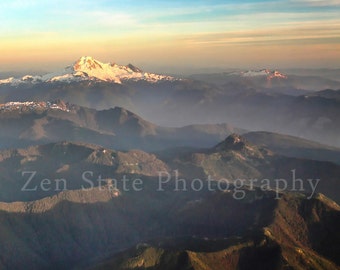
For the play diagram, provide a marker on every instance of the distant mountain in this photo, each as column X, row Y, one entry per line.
column 29, row 123
column 270, row 80
column 88, row 68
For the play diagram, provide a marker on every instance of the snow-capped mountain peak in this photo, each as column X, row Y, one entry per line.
column 255, row 73
column 277, row 74
column 88, row 68
column 87, row 63
column 264, row 72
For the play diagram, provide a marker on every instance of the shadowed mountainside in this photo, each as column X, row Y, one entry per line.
column 81, row 227
column 290, row 240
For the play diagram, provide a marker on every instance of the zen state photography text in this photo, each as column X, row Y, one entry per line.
column 166, row 181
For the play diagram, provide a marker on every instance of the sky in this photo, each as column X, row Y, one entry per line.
column 170, row 35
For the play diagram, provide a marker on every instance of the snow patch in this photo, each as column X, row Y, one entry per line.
column 264, row 72
column 32, row 106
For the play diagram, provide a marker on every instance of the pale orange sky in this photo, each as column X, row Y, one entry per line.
column 224, row 34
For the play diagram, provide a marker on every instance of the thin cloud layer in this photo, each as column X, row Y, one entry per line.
column 136, row 28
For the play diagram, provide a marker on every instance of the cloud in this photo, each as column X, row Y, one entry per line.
column 295, row 33
column 317, row 3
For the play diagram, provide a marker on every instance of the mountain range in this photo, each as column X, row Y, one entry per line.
column 290, row 109
column 105, row 226
column 97, row 220
column 104, row 166
column 29, row 123
column 267, row 80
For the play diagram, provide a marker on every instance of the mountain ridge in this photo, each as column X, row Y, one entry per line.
column 32, row 122
column 70, row 220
